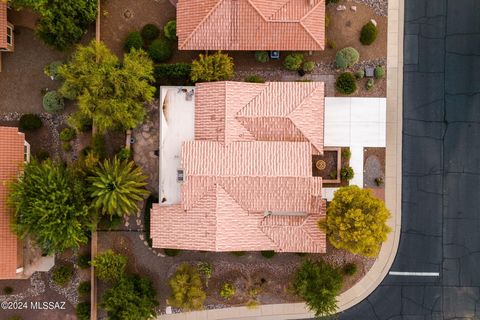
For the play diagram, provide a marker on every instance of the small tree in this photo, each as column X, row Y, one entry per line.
column 346, row 57
column 116, row 187
column 214, row 67
column 170, row 30
column 62, row 274
column 294, row 61
column 318, row 284
column 308, row 66
column 346, row 173
column 51, row 70
column 130, row 298
column 206, row 269
column 187, row 289
column 133, row 41
column 368, row 34
column 356, row 221
column 346, row 83
column 150, row 32
column 160, row 50
column 53, row 102
column 109, row 266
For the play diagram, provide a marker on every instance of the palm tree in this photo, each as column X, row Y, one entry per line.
column 116, row 187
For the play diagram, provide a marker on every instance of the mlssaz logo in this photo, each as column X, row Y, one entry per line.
column 39, row 305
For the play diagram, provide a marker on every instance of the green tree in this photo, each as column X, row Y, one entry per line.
column 346, row 57
column 294, row 61
column 131, row 298
column 116, row 187
column 50, row 205
column 109, row 266
column 318, row 284
column 170, row 30
column 110, row 93
column 214, row 67
column 187, row 289
column 356, row 221
column 62, row 23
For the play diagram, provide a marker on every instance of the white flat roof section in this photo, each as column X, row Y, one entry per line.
column 177, row 125
column 356, row 123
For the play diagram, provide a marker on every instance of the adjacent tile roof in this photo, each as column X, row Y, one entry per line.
column 11, row 160
column 3, row 25
column 251, row 25
column 248, row 173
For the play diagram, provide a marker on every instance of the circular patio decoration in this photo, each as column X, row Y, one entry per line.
column 321, row 165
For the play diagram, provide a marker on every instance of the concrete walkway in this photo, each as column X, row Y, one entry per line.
column 393, row 184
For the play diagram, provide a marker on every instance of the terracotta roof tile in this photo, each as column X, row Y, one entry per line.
column 251, row 25
column 11, row 160
column 3, row 25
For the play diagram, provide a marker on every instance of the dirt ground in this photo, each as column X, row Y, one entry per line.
column 374, row 167
column 269, row 277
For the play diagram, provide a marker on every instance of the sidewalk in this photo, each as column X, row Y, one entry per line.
column 393, row 188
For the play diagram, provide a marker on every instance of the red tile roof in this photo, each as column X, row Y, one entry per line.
column 3, row 25
column 249, row 187
column 11, row 160
column 251, row 25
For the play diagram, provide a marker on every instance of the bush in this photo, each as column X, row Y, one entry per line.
column 160, row 50
column 368, row 34
column 239, row 253
column 206, row 269
column 369, row 84
column 379, row 72
column 83, row 311
column 51, row 70
column 82, row 124
column 254, row 79
column 269, row 254
column 124, row 154
column 53, row 101
column 360, row 74
column 379, row 181
column 356, row 221
column 346, row 83
column 346, row 153
column 227, row 291
column 83, row 261
column 98, row 145
column 149, row 33
column 262, row 56
column 318, row 284
column 7, row 290
column 30, row 122
column 67, row 134
column 171, row 252
column 187, row 288
column 62, row 274
column 308, row 66
column 41, row 155
column 293, row 61
column 175, row 70
column 110, row 266
column 331, row 44
column 84, row 288
column 170, row 30
column 350, row 269
column 213, row 67
column 66, row 146
column 346, row 57
column 133, row 41
column 347, row 173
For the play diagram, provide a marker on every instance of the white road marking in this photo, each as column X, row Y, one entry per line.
column 414, row 274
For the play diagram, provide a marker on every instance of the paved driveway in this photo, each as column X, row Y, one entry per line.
column 441, row 169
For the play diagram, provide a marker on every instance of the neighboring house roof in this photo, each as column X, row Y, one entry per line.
column 3, row 25
column 251, row 25
column 244, row 190
column 11, row 160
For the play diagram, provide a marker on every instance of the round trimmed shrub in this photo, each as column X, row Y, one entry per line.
column 62, row 274
column 368, row 34
column 150, row 32
column 84, row 288
column 346, row 83
column 379, row 72
column 51, row 70
column 67, row 134
column 160, row 50
column 350, row 269
column 347, row 173
column 171, row 252
column 346, row 57
column 293, row 61
column 30, row 122
column 53, row 102
column 262, row 56
column 360, row 74
column 133, row 41
column 254, row 79
column 227, row 291
column 308, row 66
column 369, row 85
column 83, row 311
column 170, row 30
column 269, row 254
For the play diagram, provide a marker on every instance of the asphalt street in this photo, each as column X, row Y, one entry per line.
column 441, row 169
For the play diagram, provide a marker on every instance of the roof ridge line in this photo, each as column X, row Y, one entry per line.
column 258, row 10
column 201, row 22
column 307, row 30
